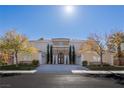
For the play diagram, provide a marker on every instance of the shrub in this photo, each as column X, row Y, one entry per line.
column 23, row 64
column 35, row 62
column 105, row 64
column 2, row 63
column 84, row 63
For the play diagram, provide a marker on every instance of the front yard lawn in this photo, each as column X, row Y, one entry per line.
column 19, row 67
column 98, row 67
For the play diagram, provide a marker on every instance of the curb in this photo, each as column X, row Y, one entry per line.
column 18, row 71
column 96, row 72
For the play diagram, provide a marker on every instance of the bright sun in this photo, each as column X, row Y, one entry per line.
column 69, row 9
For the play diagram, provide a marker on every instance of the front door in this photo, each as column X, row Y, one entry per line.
column 60, row 58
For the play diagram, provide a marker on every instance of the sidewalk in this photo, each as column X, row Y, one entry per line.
column 96, row 72
column 73, row 72
column 18, row 71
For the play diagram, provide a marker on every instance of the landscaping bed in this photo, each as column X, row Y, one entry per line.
column 98, row 67
column 19, row 67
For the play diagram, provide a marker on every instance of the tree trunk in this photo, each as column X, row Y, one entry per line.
column 101, row 58
column 119, row 54
column 16, row 58
column 13, row 57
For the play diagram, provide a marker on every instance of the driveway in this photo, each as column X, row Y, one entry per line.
column 59, row 69
column 57, row 81
column 57, row 76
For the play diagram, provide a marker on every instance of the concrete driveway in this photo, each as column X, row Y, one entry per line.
column 62, row 69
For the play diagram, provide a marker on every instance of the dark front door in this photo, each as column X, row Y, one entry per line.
column 60, row 58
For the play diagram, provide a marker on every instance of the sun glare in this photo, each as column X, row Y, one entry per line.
column 69, row 9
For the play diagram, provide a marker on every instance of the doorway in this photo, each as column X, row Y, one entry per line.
column 60, row 58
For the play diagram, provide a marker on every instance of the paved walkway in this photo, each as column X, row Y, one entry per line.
column 65, row 69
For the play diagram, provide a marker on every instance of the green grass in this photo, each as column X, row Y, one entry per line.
column 19, row 67
column 98, row 67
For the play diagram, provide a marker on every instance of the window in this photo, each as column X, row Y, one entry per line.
column 61, row 43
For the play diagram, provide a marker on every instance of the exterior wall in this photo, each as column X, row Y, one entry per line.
column 117, row 63
column 27, row 58
column 122, row 46
column 90, row 57
column 108, row 58
column 93, row 58
column 41, row 55
column 77, row 44
column 78, row 59
column 41, row 45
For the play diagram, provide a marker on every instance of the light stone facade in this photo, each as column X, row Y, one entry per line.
column 60, row 48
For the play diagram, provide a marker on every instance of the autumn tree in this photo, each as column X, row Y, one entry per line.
column 16, row 43
column 114, row 43
column 5, row 54
column 4, row 58
column 95, row 43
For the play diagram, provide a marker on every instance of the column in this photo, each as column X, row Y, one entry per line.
column 40, row 58
column 67, row 59
column 53, row 59
column 56, row 59
column 64, row 59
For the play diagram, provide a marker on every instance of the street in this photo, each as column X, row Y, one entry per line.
column 56, row 81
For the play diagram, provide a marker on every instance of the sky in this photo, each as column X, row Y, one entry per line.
column 74, row 22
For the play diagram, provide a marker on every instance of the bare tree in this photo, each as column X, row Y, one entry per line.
column 97, row 44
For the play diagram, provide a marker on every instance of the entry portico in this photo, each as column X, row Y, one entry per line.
column 60, row 51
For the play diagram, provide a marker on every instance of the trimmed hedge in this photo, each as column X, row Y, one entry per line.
column 104, row 67
column 2, row 63
column 85, row 63
column 35, row 62
column 21, row 66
